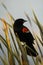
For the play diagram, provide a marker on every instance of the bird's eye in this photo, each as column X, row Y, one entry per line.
column 25, row 30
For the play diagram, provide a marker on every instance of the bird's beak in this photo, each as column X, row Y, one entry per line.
column 25, row 20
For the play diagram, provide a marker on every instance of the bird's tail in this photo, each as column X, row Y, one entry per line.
column 31, row 50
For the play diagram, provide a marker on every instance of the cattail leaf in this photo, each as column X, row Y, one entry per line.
column 28, row 18
column 10, row 18
column 37, row 21
column 24, row 56
column 17, row 51
column 7, row 11
column 3, row 60
column 6, row 31
column 40, row 40
column 8, row 42
column 38, row 24
column 3, row 40
column 13, row 41
column 5, row 43
column 7, row 23
column 11, row 59
column 37, row 43
column 2, row 49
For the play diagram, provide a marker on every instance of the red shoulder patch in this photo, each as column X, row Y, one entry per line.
column 24, row 29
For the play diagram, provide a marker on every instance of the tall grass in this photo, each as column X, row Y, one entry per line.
column 18, row 54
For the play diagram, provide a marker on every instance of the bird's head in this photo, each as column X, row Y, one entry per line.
column 18, row 24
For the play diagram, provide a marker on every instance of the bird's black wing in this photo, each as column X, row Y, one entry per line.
column 31, row 50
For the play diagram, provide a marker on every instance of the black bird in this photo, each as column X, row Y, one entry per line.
column 25, row 35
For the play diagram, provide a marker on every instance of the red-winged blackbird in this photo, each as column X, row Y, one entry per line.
column 25, row 36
